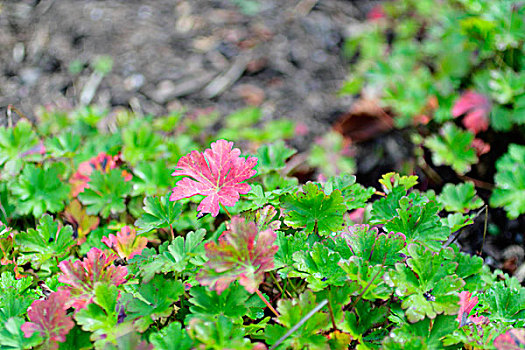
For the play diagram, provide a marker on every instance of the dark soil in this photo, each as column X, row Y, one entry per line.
column 287, row 58
column 168, row 54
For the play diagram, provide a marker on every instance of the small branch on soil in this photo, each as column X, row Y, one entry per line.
column 484, row 229
column 218, row 85
column 478, row 183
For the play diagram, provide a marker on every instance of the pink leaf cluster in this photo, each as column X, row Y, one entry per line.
column 49, row 319
column 476, row 108
column 466, row 304
column 102, row 162
column 126, row 243
column 242, row 253
column 217, row 173
column 82, row 276
column 510, row 340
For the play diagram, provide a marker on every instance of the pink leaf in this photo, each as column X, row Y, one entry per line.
column 82, row 276
column 217, row 173
column 476, row 107
column 126, row 243
column 49, row 319
column 242, row 253
column 466, row 304
column 511, row 340
column 480, row 146
column 376, row 13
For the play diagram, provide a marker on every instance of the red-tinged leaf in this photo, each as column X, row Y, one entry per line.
column 513, row 339
column 49, row 319
column 126, row 243
column 242, row 253
column 466, row 305
column 102, row 162
column 80, row 220
column 218, row 174
column 480, row 146
column 476, row 107
column 6, row 245
column 82, row 276
column 376, row 13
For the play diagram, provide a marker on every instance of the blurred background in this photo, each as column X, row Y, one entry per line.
column 284, row 56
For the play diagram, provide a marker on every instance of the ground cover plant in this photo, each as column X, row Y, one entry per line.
column 123, row 232
column 454, row 71
column 198, row 231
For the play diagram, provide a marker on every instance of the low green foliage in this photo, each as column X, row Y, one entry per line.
column 100, row 247
column 455, row 74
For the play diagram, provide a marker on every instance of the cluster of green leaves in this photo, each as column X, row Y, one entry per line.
column 434, row 66
column 97, row 254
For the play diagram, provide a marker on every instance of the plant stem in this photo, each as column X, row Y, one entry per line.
column 277, row 283
column 267, row 303
column 171, row 232
column 354, row 303
column 292, row 285
column 226, row 210
column 332, row 318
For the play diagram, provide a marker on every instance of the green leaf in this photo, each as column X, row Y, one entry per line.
column 322, row 266
column 15, row 289
column 151, row 178
column 384, row 209
column 101, row 317
column 40, row 190
column 152, row 301
column 453, row 147
column 470, row 270
column 208, row 305
column 76, row 339
column 392, row 180
column 12, row 337
column 373, row 247
column 106, row 193
column 417, row 218
column 49, row 240
column 291, row 312
column 427, row 283
column 219, row 334
column 7, row 208
column 160, row 213
column 171, row 337
column 364, row 319
column 182, row 255
column 354, row 194
column 510, row 182
column 362, row 275
column 506, row 302
column 13, row 143
column 288, row 245
column 313, row 210
column 63, row 145
column 421, row 335
column 140, row 143
column 460, row 198
column 184, row 252
column 457, row 221
column 273, row 157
